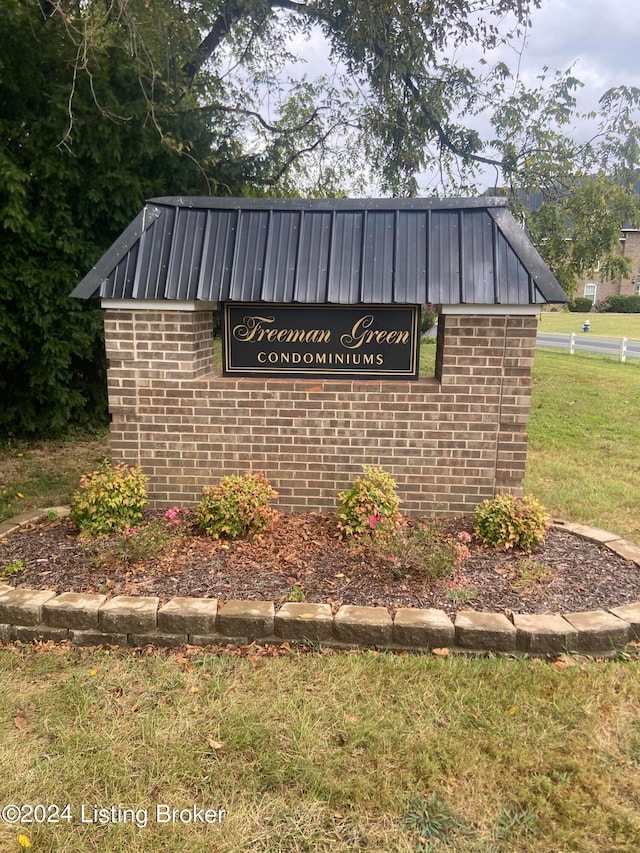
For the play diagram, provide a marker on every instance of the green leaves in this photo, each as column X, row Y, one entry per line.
column 237, row 506
column 507, row 521
column 372, row 500
column 78, row 157
column 109, row 500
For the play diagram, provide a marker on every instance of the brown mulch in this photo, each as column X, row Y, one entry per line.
column 301, row 557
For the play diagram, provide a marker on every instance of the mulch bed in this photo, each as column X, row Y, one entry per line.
column 301, row 557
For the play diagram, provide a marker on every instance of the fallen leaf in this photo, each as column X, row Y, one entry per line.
column 216, row 744
column 350, row 718
column 441, row 653
column 563, row 661
column 511, row 711
column 20, row 721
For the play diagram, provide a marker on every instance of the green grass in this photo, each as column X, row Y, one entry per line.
column 584, row 439
column 602, row 325
column 316, row 752
column 45, row 474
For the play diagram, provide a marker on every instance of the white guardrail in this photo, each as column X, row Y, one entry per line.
column 620, row 348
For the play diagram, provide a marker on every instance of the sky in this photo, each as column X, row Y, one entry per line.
column 599, row 39
column 602, row 38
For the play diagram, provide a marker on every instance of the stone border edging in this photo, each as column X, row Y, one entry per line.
column 92, row 619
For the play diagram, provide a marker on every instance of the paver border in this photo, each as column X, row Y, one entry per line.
column 136, row 620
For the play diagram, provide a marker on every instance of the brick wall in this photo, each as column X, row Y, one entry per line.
column 629, row 248
column 449, row 441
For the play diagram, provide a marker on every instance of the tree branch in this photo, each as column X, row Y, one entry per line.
column 234, row 11
column 295, row 155
column 443, row 138
column 273, row 128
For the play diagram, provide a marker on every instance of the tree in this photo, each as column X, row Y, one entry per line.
column 69, row 184
column 398, row 91
column 410, row 80
column 573, row 194
column 105, row 104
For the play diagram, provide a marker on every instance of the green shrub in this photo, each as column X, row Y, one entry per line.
column 237, row 506
column 371, row 501
column 109, row 500
column 619, row 305
column 580, row 305
column 507, row 521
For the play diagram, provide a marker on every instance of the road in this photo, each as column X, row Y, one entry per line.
column 585, row 342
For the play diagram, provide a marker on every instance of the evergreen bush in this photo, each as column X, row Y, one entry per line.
column 109, row 500
column 580, row 305
column 620, row 305
column 237, row 506
column 507, row 521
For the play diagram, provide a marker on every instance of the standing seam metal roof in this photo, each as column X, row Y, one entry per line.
column 342, row 251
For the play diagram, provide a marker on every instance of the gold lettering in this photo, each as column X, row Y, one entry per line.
column 253, row 331
column 362, row 333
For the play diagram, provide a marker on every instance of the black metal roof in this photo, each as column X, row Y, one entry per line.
column 343, row 251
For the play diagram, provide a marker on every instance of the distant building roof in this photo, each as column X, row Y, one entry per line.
column 342, row 251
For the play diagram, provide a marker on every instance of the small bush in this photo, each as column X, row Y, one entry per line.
column 507, row 521
column 420, row 549
column 619, row 305
column 109, row 500
column 237, row 506
column 11, row 570
column 580, row 305
column 371, row 501
column 150, row 539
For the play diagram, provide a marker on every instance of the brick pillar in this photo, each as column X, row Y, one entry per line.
column 517, row 381
column 492, row 355
column 146, row 348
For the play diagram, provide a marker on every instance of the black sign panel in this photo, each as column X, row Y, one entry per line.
column 360, row 341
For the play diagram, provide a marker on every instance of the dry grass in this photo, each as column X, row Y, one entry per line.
column 323, row 751
column 45, row 473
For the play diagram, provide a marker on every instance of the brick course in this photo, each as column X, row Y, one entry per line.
column 450, row 441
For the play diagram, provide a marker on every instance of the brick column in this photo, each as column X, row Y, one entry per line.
column 147, row 349
column 492, row 354
column 517, row 381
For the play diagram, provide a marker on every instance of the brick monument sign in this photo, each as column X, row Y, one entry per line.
column 319, row 374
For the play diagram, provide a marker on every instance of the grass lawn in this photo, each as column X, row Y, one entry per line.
column 45, row 473
column 584, row 435
column 341, row 752
column 335, row 752
column 602, row 325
